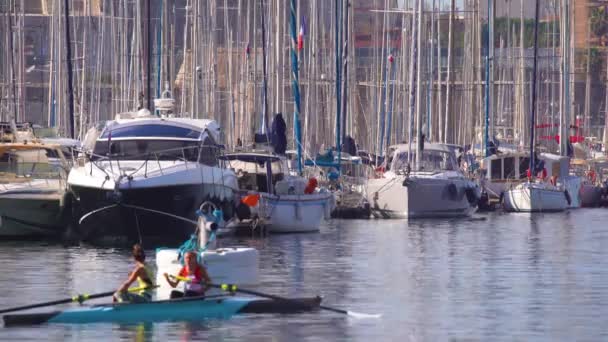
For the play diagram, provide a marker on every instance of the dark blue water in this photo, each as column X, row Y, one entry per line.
column 500, row 277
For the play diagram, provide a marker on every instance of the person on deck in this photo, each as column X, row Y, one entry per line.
column 198, row 278
column 144, row 277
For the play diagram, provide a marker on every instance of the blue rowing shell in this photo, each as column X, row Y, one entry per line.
column 183, row 309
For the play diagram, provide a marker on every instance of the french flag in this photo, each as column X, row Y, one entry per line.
column 301, row 34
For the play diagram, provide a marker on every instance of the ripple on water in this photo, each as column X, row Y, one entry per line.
column 508, row 277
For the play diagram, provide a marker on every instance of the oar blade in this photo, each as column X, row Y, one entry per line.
column 362, row 315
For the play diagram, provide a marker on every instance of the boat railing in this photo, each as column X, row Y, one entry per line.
column 96, row 160
column 31, row 174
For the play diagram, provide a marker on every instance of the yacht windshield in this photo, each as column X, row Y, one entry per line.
column 141, row 149
column 432, row 160
column 151, row 130
column 36, row 163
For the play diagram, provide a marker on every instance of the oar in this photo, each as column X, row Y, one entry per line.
column 234, row 288
column 78, row 298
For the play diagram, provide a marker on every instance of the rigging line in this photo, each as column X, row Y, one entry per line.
column 159, row 212
column 137, row 226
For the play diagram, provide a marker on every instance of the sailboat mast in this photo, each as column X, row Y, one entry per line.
column 159, row 44
column 419, row 135
column 66, row 8
column 565, row 100
column 532, row 117
column 412, row 82
column 11, row 44
column 489, row 45
column 295, row 83
column 264, row 80
column 344, row 97
column 338, row 23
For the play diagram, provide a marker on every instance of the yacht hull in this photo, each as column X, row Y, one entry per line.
column 421, row 197
column 142, row 214
column 32, row 215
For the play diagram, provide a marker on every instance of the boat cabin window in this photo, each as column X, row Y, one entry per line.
column 36, row 163
column 209, row 152
column 252, row 176
column 524, row 165
column 504, row 168
column 496, row 169
column 432, row 160
column 509, row 167
column 152, row 131
column 141, row 149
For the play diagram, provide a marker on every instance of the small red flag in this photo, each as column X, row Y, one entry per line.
column 301, row 38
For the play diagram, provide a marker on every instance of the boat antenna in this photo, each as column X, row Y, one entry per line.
column 532, row 118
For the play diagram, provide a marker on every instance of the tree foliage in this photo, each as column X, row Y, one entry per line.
column 503, row 25
column 598, row 21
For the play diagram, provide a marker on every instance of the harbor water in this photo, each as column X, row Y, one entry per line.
column 493, row 277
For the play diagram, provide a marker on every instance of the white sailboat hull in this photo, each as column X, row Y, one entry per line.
column 530, row 197
column 296, row 213
column 426, row 197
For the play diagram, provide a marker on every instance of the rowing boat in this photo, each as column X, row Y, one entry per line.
column 182, row 309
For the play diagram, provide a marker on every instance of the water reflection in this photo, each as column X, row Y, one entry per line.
column 506, row 277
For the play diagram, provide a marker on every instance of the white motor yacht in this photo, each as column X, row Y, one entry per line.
column 33, row 191
column 146, row 177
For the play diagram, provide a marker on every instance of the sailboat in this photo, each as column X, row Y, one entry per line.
column 284, row 201
column 535, row 195
column 425, row 182
column 434, row 188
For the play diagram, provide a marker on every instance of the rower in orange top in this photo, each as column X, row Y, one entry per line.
column 198, row 278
